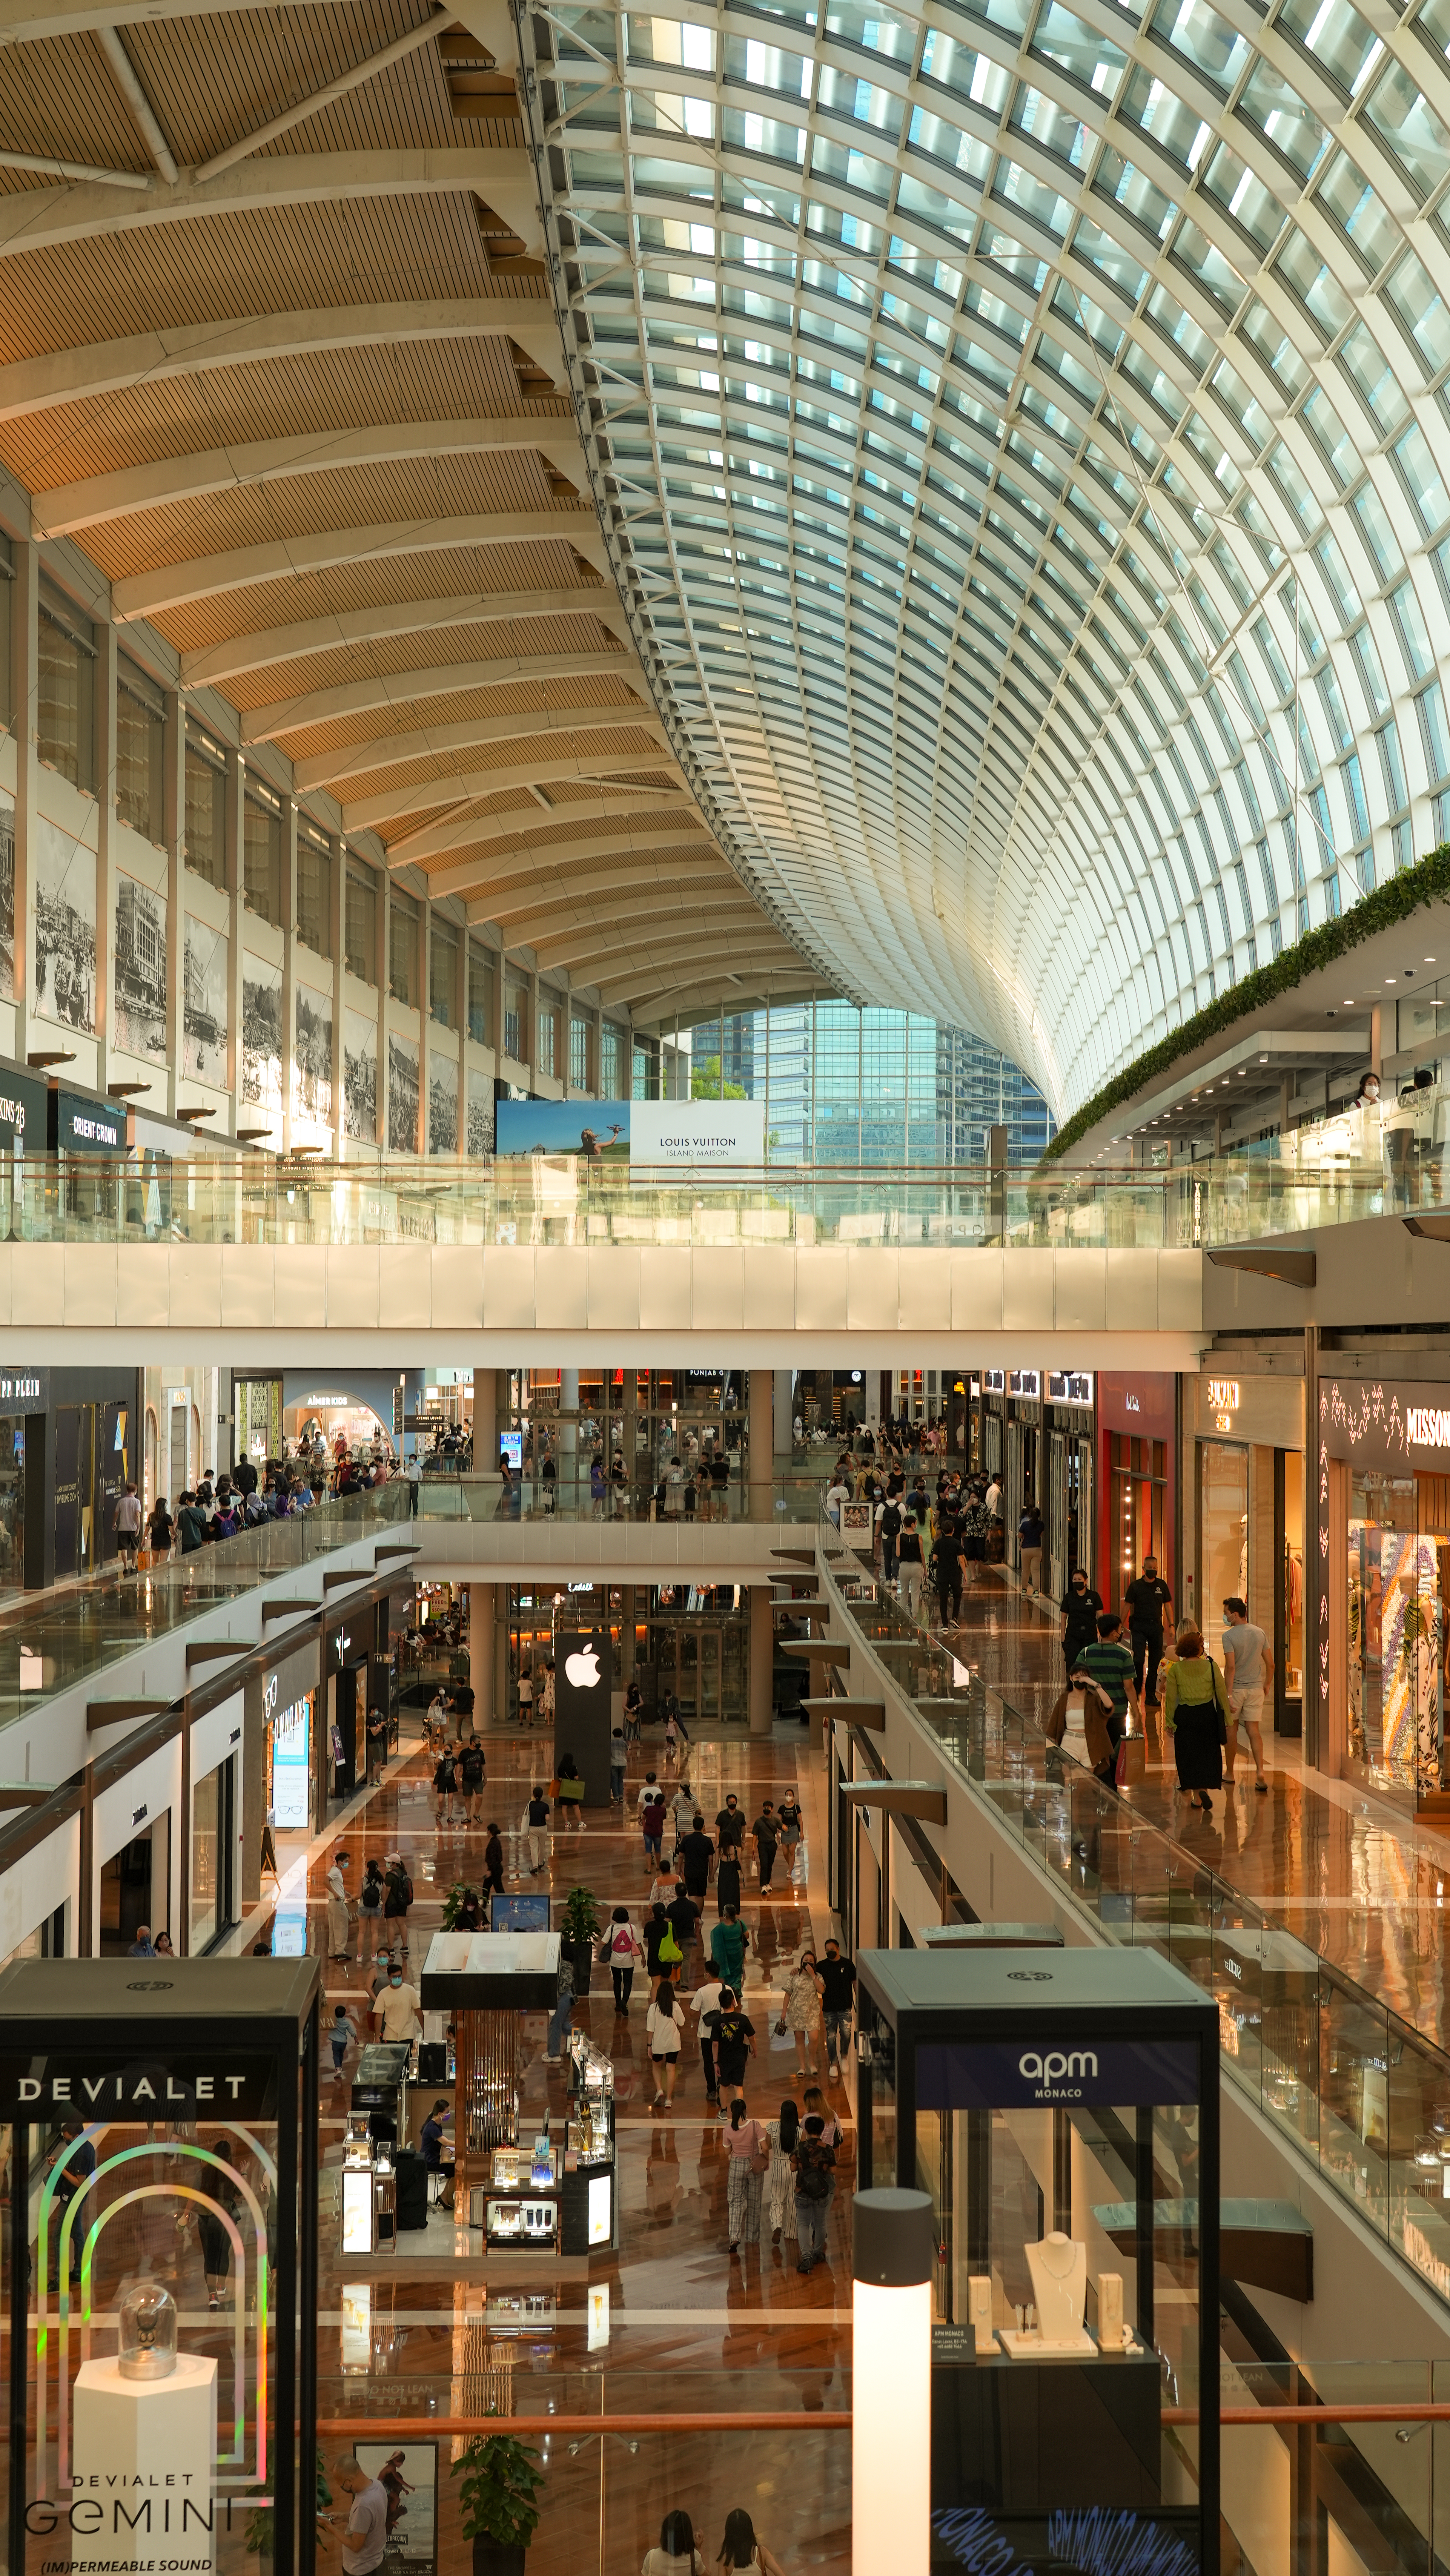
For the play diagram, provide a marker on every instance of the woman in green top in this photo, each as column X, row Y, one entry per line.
column 569, row 1795
column 1195, row 1712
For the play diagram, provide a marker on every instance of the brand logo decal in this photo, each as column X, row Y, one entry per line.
column 582, row 1669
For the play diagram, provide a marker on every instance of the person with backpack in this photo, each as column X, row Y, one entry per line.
column 662, row 1952
column 370, row 1894
column 1107, row 1669
column 620, row 1952
column 664, row 2031
column 815, row 2165
column 472, row 1775
column 190, row 1524
column 888, row 1530
column 535, row 1823
column 748, row 2150
column 399, row 1892
column 910, row 1565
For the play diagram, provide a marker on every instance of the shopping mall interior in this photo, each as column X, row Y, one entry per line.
column 724, row 1361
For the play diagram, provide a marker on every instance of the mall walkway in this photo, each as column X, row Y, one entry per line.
column 434, row 2329
column 1334, row 1863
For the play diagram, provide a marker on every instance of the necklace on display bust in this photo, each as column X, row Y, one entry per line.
column 1058, row 2254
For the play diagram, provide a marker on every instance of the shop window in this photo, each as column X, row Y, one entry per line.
column 612, row 1045
column 314, row 892
column 480, row 994
column 1223, row 1535
column 579, row 1053
column 205, row 845
column 361, row 925
column 1137, row 1509
column 403, row 920
column 66, row 695
column 140, row 751
column 645, row 1084
column 442, row 973
column 12, row 1502
column 1398, row 1576
column 546, row 1061
column 262, row 854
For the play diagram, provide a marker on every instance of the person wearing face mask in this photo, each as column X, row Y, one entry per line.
column 396, row 2009
column 1080, row 1608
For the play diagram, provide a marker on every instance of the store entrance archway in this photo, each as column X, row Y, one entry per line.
column 135, row 1885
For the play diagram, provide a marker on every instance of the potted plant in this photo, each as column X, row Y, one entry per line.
column 580, row 1929
column 501, row 2478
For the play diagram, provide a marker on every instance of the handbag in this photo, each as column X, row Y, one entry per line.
column 782, row 2038
column 1129, row 1765
column 760, row 2153
column 670, row 1954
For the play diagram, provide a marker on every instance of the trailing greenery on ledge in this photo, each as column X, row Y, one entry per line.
column 1428, row 881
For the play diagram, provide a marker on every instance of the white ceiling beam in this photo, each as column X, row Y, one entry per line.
column 460, row 831
column 525, row 895
column 676, row 1005
column 87, row 170
column 128, row 82
column 104, row 367
column 313, row 105
column 474, row 784
column 319, row 550
column 390, row 750
column 663, row 965
column 591, row 942
column 438, row 680
column 61, row 509
column 267, row 646
column 42, row 218
column 499, row 862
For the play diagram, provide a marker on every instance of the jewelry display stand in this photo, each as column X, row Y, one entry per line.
column 1058, row 2267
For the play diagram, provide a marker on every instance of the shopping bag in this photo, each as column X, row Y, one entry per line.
column 1129, row 1766
column 782, row 2039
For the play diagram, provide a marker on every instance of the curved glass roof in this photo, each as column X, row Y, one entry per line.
column 1023, row 434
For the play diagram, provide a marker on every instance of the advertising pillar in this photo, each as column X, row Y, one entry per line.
column 583, row 1685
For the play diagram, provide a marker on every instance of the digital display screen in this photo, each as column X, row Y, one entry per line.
column 600, row 2186
column 357, row 2209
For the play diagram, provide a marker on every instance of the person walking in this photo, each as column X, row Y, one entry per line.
column 888, row 1531
column 339, row 1920
column 910, row 1567
column 815, row 2166
column 946, row 1570
column 664, row 2029
column 1029, row 1533
column 1081, row 1610
column 734, row 2035
column 161, row 1531
column 1248, row 1668
column 493, row 1862
column 650, row 1808
column 748, row 2150
column 657, row 1932
column 800, row 2011
column 767, row 1842
column 788, row 1819
column 782, row 2134
column 682, row 1815
column 730, row 1827
column 128, row 1538
column 742, row 2553
column 633, row 1712
column 1112, row 1690
column 472, row 1775
column 569, row 1796
column 729, row 1943
column 445, row 1781
column 1148, row 1600
column 535, row 1823
column 342, row 2031
column 620, row 1950
column 838, row 1992
column 399, row 1895
column 704, row 2001
column 1196, row 1713
column 618, row 1763
column 695, row 1858
column 677, row 2554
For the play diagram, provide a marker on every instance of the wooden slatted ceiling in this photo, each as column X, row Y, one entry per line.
column 211, row 83
column 511, row 853
column 196, row 623
column 257, row 514
column 59, row 100
column 439, row 644
column 439, row 772
column 412, row 715
column 263, row 261
column 314, row 391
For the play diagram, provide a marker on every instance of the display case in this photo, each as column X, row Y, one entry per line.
column 165, row 2109
column 1032, row 2093
column 380, row 2086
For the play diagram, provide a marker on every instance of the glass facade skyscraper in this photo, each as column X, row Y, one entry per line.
column 842, row 1085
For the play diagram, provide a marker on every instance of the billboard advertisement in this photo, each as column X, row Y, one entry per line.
column 688, row 1134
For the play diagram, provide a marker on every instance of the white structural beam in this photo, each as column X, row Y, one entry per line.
column 592, row 943
column 433, row 792
column 128, row 82
column 530, row 896
column 498, row 861
column 390, row 750
column 61, row 509
column 319, row 550
column 42, row 218
column 102, row 367
column 436, row 680
column 266, row 646
column 408, row 43
column 461, row 830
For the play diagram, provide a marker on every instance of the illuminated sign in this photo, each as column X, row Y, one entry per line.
column 1427, row 1426
column 995, row 1381
column 1223, row 1395
column 1070, row 1386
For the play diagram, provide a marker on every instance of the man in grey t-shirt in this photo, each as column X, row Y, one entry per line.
column 1248, row 1668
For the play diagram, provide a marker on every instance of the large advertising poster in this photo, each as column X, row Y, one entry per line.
column 689, row 1135
column 583, row 1706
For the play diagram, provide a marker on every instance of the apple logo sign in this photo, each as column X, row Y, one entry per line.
column 583, row 1669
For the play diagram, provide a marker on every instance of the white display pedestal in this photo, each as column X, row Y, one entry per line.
column 144, row 2453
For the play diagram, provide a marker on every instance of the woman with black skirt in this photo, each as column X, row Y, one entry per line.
column 1195, row 1712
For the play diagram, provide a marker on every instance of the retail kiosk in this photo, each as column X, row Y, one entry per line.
column 1033, row 2093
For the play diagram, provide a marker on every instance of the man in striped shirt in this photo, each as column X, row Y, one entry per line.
column 1109, row 1667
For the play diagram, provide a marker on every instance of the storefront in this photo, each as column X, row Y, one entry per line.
column 1066, row 1490
column 256, row 1419
column 1021, row 1482
column 214, row 1842
column 135, row 1852
column 1384, row 1534
column 1137, row 1419
column 346, row 1649
column 1243, row 1470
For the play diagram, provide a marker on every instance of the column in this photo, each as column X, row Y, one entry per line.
column 762, row 1660
column 481, row 1652
column 760, row 1453
column 336, row 945
column 783, row 1408
column 628, row 1614
column 485, row 1421
column 236, row 848
column 871, row 1389
column 24, row 665
column 567, row 1461
column 105, row 724
column 173, row 808
column 289, row 970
